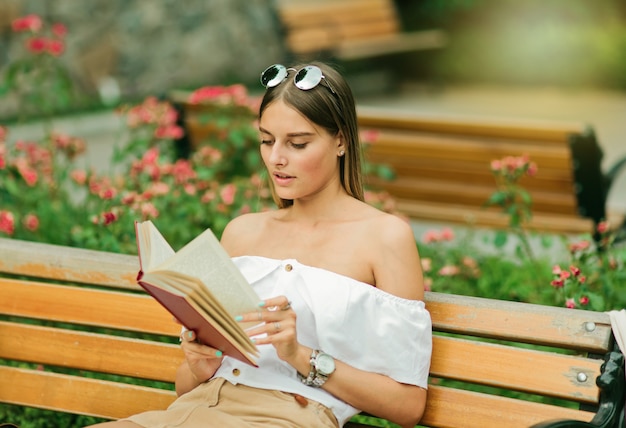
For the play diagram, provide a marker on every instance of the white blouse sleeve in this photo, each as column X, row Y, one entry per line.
column 370, row 329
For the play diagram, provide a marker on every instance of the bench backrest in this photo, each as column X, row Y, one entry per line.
column 313, row 27
column 443, row 167
column 66, row 308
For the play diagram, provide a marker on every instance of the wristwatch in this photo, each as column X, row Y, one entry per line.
column 322, row 365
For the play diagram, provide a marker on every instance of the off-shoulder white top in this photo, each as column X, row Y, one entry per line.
column 354, row 322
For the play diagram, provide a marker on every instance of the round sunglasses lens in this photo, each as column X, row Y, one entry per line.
column 308, row 77
column 273, row 75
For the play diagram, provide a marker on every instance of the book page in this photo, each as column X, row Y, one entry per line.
column 206, row 259
column 153, row 248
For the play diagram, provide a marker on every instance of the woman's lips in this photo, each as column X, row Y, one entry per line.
column 282, row 179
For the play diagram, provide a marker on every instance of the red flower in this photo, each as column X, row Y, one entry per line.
column 31, row 222
column 584, row 300
column 570, row 303
column 36, row 45
column 557, row 283
column 109, row 217
column 27, row 23
column 7, row 222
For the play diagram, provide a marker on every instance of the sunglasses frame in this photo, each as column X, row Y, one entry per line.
column 280, row 73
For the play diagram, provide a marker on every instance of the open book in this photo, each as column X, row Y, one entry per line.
column 201, row 287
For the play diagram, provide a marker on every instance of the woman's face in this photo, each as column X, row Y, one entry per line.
column 301, row 158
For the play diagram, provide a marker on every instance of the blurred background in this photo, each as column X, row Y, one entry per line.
column 534, row 59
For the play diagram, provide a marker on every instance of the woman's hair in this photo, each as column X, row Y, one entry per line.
column 332, row 109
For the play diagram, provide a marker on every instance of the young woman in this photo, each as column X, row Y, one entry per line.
column 343, row 327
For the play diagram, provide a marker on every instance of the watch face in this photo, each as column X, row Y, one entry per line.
column 325, row 364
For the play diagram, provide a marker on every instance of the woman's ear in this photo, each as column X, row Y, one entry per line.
column 341, row 144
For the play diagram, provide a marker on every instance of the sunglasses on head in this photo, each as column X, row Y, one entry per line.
column 306, row 78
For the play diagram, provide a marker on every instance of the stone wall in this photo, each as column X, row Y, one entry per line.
column 141, row 47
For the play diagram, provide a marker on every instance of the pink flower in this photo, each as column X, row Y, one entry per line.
column 428, row 284
column 603, row 227
column 426, row 264
column 149, row 210
column 7, row 222
column 579, row 246
column 79, row 176
column 228, row 193
column 59, row 30
column 370, row 136
column 564, row 275
column 28, row 174
column 27, row 23
column 582, row 279
column 430, row 236
column 107, row 193
column 570, row 303
column 532, row 169
column 584, row 300
column 55, row 47
column 169, row 132
column 556, row 269
column 449, row 270
column 575, row 271
column 496, row 165
column 31, row 222
column 446, row 234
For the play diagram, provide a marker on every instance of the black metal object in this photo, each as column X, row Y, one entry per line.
column 589, row 181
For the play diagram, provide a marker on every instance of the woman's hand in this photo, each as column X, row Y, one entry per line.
column 202, row 361
column 279, row 325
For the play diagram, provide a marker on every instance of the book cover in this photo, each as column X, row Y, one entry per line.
column 201, row 287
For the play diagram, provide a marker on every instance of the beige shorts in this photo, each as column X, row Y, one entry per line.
column 219, row 403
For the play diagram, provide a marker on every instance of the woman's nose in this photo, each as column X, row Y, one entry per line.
column 277, row 155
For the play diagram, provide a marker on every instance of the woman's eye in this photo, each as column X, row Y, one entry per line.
column 266, row 142
column 298, row 145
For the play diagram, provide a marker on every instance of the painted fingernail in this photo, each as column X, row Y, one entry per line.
column 261, row 304
column 189, row 334
column 238, row 318
column 218, row 354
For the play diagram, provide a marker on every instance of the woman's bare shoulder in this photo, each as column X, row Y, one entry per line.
column 395, row 258
column 243, row 230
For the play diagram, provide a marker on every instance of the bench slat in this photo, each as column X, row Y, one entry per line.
column 450, row 213
column 471, row 195
column 526, row 323
column 547, row 131
column 78, row 395
column 516, row 368
column 69, row 264
column 111, row 309
column 89, row 351
column 448, row 407
column 479, row 151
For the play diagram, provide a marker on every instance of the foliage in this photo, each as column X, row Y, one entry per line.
column 587, row 275
column 38, row 72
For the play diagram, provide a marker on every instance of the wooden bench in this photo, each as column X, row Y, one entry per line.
column 349, row 30
column 443, row 170
column 65, row 308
